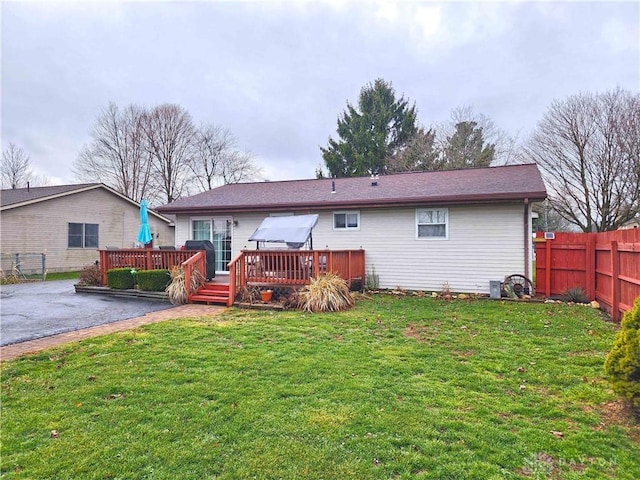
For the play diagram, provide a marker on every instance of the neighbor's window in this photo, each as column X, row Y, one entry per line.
column 346, row 220
column 432, row 223
column 83, row 235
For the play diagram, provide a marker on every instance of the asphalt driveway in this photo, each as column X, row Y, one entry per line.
column 40, row 309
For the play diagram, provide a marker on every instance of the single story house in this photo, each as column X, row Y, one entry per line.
column 419, row 230
column 633, row 223
column 69, row 223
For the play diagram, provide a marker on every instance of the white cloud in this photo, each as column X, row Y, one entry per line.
column 427, row 20
column 278, row 74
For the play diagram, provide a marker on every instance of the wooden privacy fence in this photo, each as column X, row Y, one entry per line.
column 606, row 265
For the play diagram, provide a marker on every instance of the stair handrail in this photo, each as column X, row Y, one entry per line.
column 235, row 281
column 197, row 261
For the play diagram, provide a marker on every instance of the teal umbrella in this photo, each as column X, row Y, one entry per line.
column 144, row 234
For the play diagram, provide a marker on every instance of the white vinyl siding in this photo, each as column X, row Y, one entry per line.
column 484, row 243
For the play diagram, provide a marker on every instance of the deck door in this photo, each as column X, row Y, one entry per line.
column 218, row 230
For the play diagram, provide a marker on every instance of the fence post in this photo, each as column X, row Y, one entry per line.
column 547, row 268
column 590, row 259
column 44, row 266
column 615, row 283
column 104, row 266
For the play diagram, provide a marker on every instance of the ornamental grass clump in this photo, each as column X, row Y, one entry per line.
column 575, row 295
column 623, row 361
column 177, row 289
column 325, row 293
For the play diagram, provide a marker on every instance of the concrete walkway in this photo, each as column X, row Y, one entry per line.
column 10, row 352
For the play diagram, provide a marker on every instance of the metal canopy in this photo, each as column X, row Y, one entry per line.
column 294, row 230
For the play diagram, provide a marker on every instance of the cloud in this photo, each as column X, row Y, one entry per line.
column 278, row 74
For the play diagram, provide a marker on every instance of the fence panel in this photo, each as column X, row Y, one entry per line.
column 23, row 265
column 606, row 265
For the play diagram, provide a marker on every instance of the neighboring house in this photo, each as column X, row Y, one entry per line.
column 633, row 223
column 418, row 230
column 71, row 222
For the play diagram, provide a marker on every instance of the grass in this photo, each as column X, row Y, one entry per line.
column 55, row 276
column 13, row 279
column 62, row 276
column 402, row 388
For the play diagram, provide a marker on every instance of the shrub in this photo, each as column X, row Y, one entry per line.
column 177, row 289
column 623, row 361
column 120, row 278
column 325, row 293
column 248, row 294
column 90, row 275
column 153, row 280
column 575, row 295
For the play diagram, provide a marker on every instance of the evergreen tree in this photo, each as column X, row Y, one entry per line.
column 377, row 129
column 420, row 154
column 466, row 148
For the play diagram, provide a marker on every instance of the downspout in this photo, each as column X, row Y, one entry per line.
column 527, row 238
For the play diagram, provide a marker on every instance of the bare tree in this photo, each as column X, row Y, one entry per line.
column 16, row 167
column 239, row 167
column 549, row 220
column 588, row 147
column 217, row 159
column 169, row 134
column 117, row 154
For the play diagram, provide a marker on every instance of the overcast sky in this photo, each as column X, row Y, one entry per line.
column 277, row 74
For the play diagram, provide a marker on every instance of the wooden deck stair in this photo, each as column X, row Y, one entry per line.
column 212, row 292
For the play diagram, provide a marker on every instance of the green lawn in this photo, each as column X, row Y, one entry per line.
column 62, row 276
column 406, row 388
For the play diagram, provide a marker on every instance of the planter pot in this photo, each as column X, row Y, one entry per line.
column 266, row 295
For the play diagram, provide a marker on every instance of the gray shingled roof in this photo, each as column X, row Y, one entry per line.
column 480, row 185
column 26, row 195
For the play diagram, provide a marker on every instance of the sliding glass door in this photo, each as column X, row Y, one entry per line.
column 218, row 230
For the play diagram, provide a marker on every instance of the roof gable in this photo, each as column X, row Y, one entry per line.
column 18, row 197
column 479, row 185
column 15, row 196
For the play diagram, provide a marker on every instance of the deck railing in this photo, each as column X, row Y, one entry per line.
column 197, row 262
column 141, row 259
column 293, row 267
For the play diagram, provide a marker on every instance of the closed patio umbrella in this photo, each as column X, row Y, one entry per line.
column 144, row 234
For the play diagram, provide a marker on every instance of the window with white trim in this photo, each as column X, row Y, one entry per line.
column 348, row 220
column 82, row 235
column 432, row 223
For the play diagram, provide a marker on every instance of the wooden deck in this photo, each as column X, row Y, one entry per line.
column 262, row 268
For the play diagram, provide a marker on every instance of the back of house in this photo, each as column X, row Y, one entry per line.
column 419, row 230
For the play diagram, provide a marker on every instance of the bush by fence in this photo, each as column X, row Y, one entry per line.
column 120, row 278
column 90, row 275
column 153, row 280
